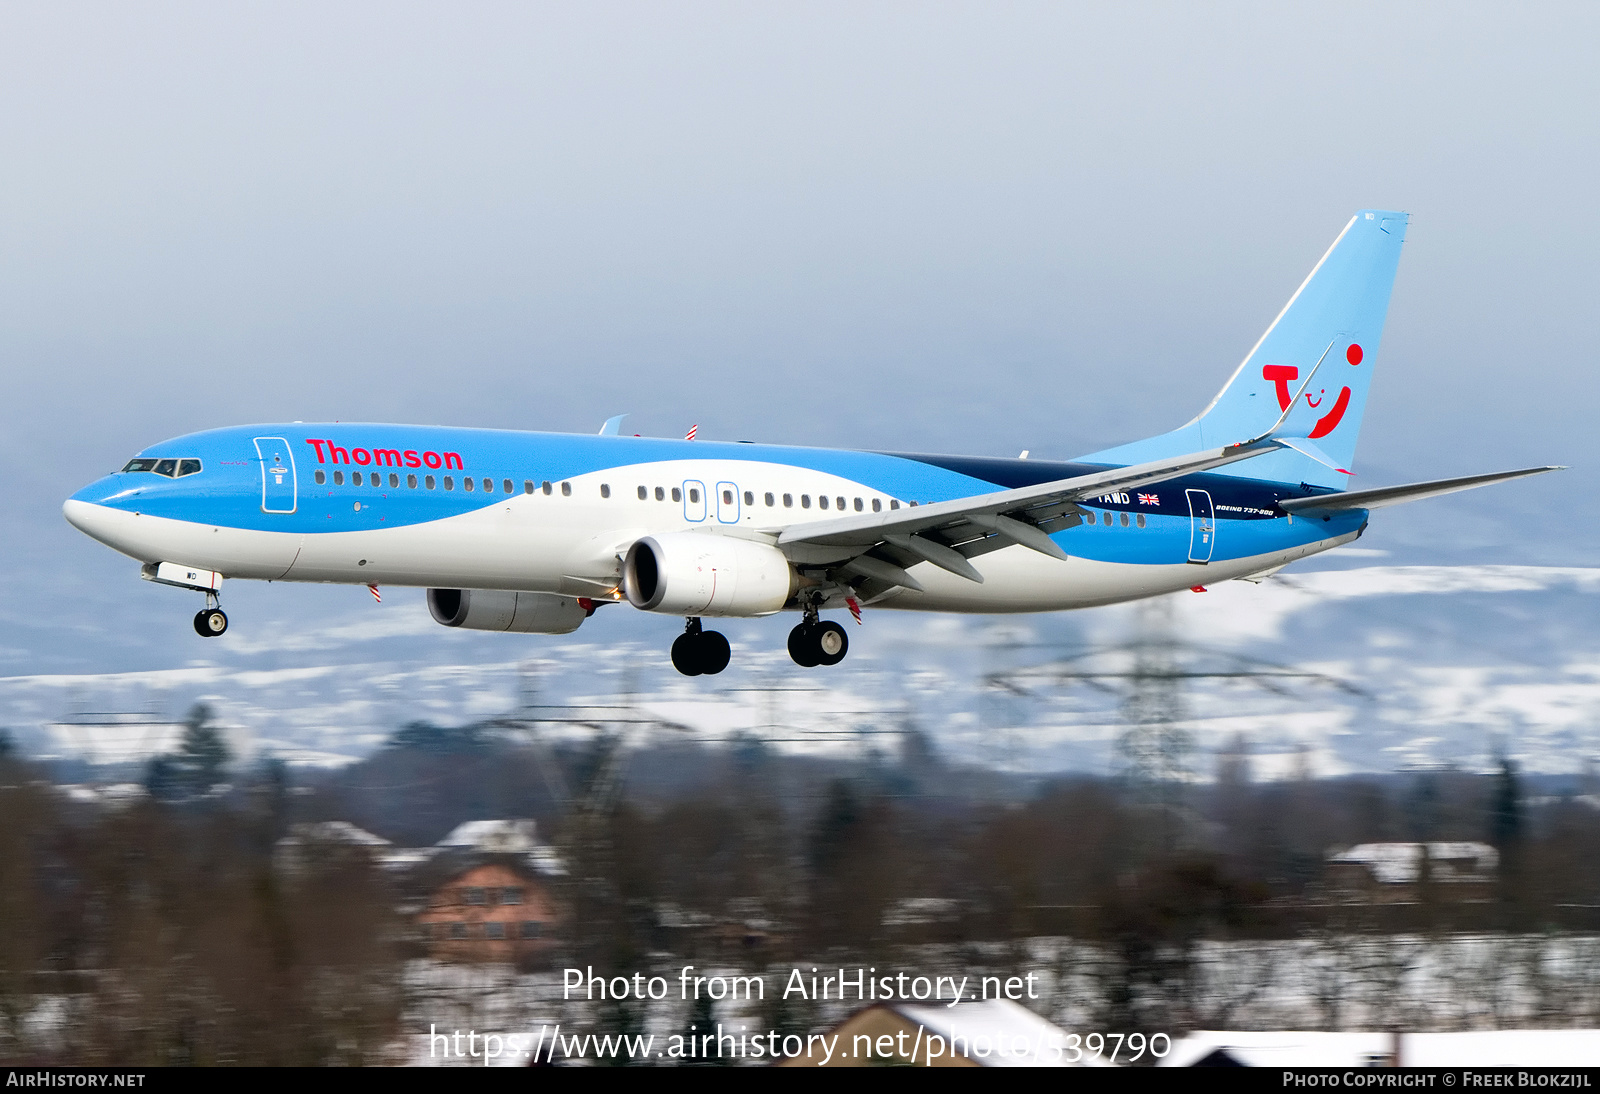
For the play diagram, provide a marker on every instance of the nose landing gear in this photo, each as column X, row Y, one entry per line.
column 700, row 653
column 211, row 620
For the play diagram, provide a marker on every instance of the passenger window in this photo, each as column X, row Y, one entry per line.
column 394, row 481
column 169, row 468
column 858, row 505
column 566, row 490
column 321, row 478
column 427, row 480
column 893, row 504
column 488, row 486
column 545, row 486
column 1141, row 520
column 805, row 501
column 727, row 497
column 788, row 501
column 660, row 494
column 1124, row 520
column 376, row 479
column 411, row 482
column 677, row 495
column 769, row 500
column 912, row 504
column 877, row 505
column 1106, row 516
column 822, row 502
column 694, row 495
column 449, row 483
column 840, row 502
column 508, row 486
column 750, row 499
column 527, row 486
column 338, row 478
column 466, row 484
column 355, row 478
column 188, row 467
column 605, row 490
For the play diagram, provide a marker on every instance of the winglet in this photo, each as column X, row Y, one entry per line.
column 613, row 426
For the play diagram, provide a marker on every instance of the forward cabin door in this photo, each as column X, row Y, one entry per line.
column 279, row 491
column 1202, row 527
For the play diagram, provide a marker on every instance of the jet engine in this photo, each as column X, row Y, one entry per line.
column 693, row 573
column 501, row 610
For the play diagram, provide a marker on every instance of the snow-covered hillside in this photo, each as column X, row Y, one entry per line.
column 1404, row 665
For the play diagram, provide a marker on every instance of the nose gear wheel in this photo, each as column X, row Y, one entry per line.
column 210, row 622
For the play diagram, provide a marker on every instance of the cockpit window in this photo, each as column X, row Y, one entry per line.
column 172, row 469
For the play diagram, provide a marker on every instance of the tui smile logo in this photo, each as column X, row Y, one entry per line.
column 1281, row 375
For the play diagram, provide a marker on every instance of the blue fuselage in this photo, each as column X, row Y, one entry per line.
column 489, row 509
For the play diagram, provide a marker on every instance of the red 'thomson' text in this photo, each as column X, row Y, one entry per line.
column 385, row 457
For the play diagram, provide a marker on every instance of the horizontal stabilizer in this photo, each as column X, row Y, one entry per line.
column 1395, row 495
column 1304, row 446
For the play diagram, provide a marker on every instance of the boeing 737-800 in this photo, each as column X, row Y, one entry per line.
column 531, row 532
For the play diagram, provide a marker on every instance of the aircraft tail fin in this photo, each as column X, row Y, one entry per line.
column 1305, row 381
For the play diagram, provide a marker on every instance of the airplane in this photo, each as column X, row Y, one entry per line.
column 533, row 532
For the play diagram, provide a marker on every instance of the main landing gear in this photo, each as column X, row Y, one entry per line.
column 697, row 652
column 815, row 642
column 211, row 621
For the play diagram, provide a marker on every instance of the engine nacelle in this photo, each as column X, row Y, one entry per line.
column 693, row 573
column 500, row 610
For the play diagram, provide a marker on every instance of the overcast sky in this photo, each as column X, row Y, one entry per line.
column 980, row 228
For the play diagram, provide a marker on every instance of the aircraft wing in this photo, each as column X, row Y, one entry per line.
column 880, row 546
column 1395, row 495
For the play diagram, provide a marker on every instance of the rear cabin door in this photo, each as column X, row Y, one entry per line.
column 278, row 486
column 1202, row 527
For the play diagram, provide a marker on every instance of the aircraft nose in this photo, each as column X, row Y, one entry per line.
column 113, row 490
column 85, row 516
column 120, row 529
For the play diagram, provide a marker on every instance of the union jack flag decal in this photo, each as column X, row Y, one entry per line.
column 1149, row 499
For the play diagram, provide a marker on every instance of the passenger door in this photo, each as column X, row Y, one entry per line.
column 279, row 490
column 1202, row 527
